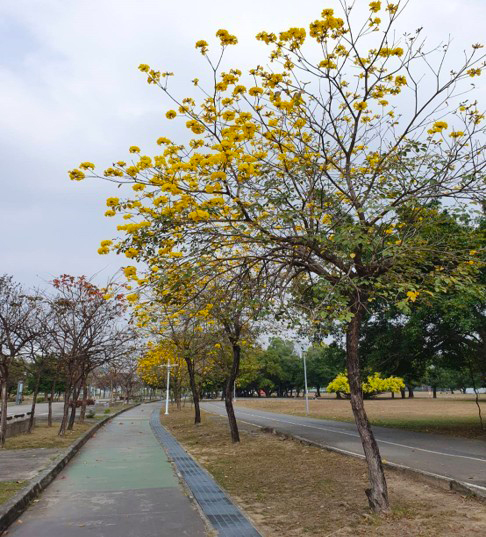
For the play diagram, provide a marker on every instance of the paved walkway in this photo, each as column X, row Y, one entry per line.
column 119, row 485
column 455, row 458
column 25, row 464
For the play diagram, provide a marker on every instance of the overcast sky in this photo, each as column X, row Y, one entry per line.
column 70, row 91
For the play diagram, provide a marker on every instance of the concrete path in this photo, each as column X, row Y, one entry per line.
column 455, row 458
column 119, row 485
column 25, row 464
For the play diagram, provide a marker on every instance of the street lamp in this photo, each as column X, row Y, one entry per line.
column 168, row 366
column 305, row 383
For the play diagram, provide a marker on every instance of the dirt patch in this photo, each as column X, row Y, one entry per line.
column 302, row 491
column 456, row 417
column 46, row 437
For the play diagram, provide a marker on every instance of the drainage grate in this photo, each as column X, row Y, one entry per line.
column 222, row 513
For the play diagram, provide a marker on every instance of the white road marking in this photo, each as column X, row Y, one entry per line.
column 357, row 436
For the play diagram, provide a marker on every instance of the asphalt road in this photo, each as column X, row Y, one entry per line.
column 40, row 409
column 456, row 458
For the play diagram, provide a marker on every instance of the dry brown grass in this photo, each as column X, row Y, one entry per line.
column 454, row 415
column 293, row 490
column 46, row 437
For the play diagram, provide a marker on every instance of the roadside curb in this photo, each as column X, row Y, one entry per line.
column 14, row 507
column 443, row 482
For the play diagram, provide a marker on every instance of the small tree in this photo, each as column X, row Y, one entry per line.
column 87, row 331
column 18, row 327
column 374, row 385
column 324, row 362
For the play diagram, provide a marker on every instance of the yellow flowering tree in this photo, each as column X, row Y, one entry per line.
column 151, row 367
column 185, row 331
column 373, row 385
column 213, row 306
column 323, row 168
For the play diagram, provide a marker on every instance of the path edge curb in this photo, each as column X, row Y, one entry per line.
column 14, row 507
column 182, row 482
column 188, row 489
column 428, row 477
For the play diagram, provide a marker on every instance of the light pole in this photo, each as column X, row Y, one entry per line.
column 168, row 366
column 305, row 384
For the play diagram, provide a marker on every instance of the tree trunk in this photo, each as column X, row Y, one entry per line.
column 4, row 398
column 434, row 392
column 195, row 393
column 49, row 404
column 177, row 393
column 34, row 401
column 402, row 393
column 72, row 417
column 228, row 393
column 377, row 493
column 82, row 413
column 410, row 391
column 393, row 395
column 67, row 397
column 338, row 395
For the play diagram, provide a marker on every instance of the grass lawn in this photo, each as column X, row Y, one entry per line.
column 302, row 491
column 9, row 489
column 46, row 437
column 456, row 415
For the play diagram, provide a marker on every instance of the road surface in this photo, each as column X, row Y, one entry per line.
column 40, row 409
column 460, row 459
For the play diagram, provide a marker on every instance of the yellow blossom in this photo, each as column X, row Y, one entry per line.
column 202, row 46
column 226, row 38
column 131, row 252
column 412, row 295
column 76, row 175
column 87, row 166
column 400, row 80
column 130, row 271
column 360, row 105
